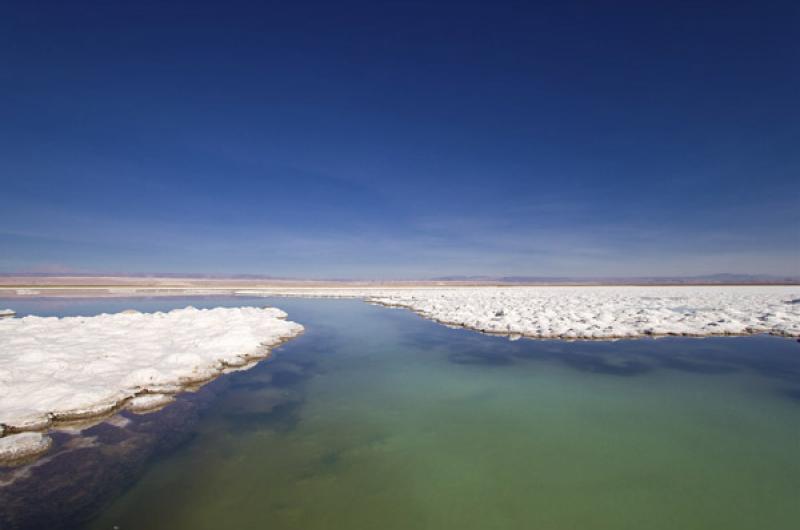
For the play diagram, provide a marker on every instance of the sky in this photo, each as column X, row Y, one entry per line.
column 400, row 139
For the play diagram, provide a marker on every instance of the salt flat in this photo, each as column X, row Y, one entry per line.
column 77, row 367
column 55, row 369
column 590, row 312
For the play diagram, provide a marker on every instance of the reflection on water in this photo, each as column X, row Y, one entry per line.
column 376, row 418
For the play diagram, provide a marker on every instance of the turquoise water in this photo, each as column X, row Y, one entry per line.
column 376, row 418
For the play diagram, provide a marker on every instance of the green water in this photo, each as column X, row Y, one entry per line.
column 378, row 419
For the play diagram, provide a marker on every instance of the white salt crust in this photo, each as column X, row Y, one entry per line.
column 23, row 445
column 589, row 312
column 78, row 367
column 149, row 402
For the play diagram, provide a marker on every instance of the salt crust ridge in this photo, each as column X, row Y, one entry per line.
column 62, row 369
column 589, row 312
column 23, row 445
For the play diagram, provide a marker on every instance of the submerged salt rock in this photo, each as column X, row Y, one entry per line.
column 23, row 445
column 148, row 402
column 7, row 313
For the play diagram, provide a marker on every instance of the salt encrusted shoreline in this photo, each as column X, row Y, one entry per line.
column 64, row 369
column 23, row 445
column 590, row 312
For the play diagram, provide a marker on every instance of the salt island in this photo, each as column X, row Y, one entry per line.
column 61, row 369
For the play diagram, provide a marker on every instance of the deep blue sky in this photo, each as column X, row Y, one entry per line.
column 400, row 139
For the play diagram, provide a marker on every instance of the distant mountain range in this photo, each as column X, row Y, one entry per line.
column 713, row 279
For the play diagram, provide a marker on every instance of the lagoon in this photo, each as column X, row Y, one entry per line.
column 377, row 418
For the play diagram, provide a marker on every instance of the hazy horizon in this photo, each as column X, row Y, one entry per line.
column 721, row 278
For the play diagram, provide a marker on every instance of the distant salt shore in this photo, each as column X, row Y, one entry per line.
column 568, row 312
column 63, row 369
column 590, row 312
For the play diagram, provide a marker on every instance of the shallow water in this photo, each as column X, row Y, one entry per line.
column 377, row 418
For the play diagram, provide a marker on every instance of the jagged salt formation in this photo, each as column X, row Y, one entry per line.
column 60, row 369
column 611, row 312
column 590, row 312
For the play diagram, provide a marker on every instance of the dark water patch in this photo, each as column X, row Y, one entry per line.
column 284, row 378
column 107, row 433
column 776, row 369
column 254, row 385
column 328, row 463
column 330, row 460
column 694, row 366
column 271, row 374
column 269, row 396
column 283, row 417
column 84, row 472
column 479, row 358
column 793, row 394
column 435, row 337
column 767, row 356
column 600, row 365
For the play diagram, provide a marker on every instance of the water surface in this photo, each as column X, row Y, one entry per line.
column 377, row 418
